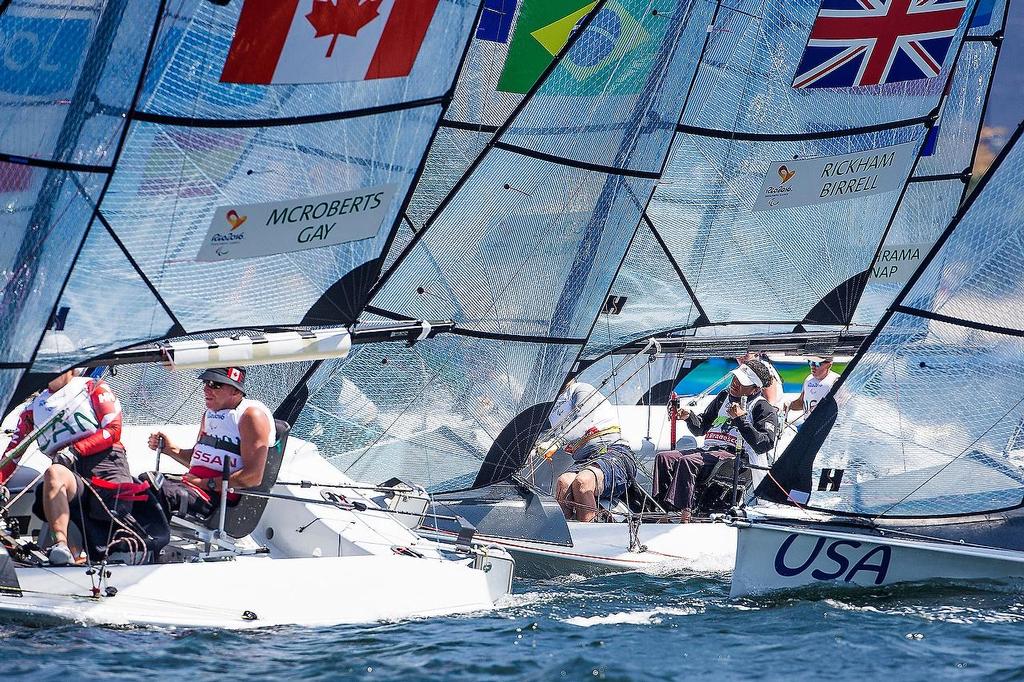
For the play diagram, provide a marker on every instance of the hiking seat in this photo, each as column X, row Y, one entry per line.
column 714, row 491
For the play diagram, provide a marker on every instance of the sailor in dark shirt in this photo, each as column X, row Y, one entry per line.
column 739, row 412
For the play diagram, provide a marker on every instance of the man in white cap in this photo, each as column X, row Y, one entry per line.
column 773, row 391
column 740, row 411
column 816, row 386
column 233, row 428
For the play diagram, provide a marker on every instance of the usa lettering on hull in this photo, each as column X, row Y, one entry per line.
column 251, row 230
column 824, row 179
column 822, row 559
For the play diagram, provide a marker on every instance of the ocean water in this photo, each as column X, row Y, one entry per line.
column 617, row 627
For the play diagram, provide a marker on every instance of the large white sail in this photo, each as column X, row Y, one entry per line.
column 223, row 199
column 520, row 256
column 927, row 421
column 752, row 230
column 63, row 129
column 943, row 175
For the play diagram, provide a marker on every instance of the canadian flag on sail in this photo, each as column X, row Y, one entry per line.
column 326, row 41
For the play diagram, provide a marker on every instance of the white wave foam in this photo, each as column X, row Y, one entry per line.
column 630, row 617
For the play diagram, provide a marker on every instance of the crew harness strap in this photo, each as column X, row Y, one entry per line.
column 592, row 434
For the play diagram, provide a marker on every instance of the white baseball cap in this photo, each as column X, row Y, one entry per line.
column 747, row 376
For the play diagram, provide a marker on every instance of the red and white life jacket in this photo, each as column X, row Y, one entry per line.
column 220, row 439
column 89, row 408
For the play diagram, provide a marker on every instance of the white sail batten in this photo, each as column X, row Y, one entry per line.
column 261, row 350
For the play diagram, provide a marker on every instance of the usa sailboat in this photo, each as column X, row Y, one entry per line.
column 912, row 471
column 176, row 170
column 726, row 266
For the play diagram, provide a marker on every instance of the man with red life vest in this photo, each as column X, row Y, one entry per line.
column 738, row 416
column 235, row 429
column 83, row 441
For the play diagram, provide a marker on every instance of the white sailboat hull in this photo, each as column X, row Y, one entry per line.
column 253, row 592
column 604, row 547
column 772, row 557
column 317, row 564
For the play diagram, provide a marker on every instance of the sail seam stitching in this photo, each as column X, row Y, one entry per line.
column 55, row 165
column 524, row 338
column 799, row 137
column 956, row 321
column 191, row 122
column 582, row 165
column 473, row 127
column 475, row 333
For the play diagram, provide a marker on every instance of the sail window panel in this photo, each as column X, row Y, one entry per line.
column 102, row 294
column 450, row 155
column 656, row 300
column 185, row 76
column 42, row 226
column 960, row 120
column 775, row 264
column 930, row 423
column 745, row 80
column 632, row 67
column 427, row 414
column 171, row 180
column 976, row 275
column 924, row 212
column 68, row 73
column 525, row 247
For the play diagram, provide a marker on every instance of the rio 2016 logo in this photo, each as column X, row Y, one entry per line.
column 235, row 220
column 841, row 562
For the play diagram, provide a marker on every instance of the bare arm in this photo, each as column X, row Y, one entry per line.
column 254, row 428
column 175, row 452
column 798, row 403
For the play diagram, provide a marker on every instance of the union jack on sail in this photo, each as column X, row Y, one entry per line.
column 872, row 42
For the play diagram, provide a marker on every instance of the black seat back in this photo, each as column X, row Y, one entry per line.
column 242, row 518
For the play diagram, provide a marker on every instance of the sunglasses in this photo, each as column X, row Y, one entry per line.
column 815, row 363
column 213, row 385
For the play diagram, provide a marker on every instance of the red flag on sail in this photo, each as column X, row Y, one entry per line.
column 326, row 41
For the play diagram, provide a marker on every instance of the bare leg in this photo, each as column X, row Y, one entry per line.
column 59, row 486
column 585, row 491
column 562, row 493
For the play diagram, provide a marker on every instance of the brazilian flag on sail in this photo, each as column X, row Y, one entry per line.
column 545, row 26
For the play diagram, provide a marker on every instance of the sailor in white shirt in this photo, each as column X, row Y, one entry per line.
column 816, row 386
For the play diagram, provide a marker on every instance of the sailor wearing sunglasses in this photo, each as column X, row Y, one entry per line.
column 816, row 386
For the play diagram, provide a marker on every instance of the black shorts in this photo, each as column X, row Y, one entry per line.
column 180, row 499
column 111, row 465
